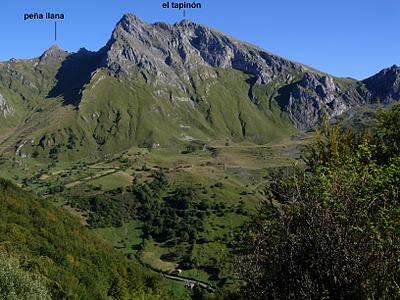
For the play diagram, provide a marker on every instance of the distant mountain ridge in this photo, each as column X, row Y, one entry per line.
column 166, row 83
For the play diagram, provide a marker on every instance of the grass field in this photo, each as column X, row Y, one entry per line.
column 126, row 238
column 231, row 176
column 114, row 180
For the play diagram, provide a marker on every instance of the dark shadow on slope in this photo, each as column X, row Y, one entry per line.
column 284, row 95
column 74, row 73
column 251, row 82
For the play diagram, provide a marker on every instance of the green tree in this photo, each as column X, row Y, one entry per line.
column 17, row 284
column 331, row 231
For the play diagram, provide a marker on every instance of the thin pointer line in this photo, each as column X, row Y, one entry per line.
column 55, row 31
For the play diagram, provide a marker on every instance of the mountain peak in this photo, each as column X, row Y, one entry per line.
column 173, row 51
column 54, row 53
column 394, row 70
column 129, row 20
column 385, row 85
column 177, row 75
column 84, row 51
column 131, row 17
column 185, row 23
column 169, row 56
column 53, row 49
column 389, row 74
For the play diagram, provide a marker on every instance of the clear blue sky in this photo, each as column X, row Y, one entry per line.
column 353, row 38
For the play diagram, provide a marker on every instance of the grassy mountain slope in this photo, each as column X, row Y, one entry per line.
column 162, row 85
column 24, row 85
column 76, row 264
column 117, row 112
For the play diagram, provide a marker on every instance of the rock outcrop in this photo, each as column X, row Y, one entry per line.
column 53, row 54
column 6, row 110
column 385, row 86
column 316, row 95
column 169, row 53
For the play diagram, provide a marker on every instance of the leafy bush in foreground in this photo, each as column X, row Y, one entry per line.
column 333, row 230
column 17, row 284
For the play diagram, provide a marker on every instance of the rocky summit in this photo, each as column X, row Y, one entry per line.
column 162, row 84
column 172, row 52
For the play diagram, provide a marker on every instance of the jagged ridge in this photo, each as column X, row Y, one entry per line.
column 152, row 80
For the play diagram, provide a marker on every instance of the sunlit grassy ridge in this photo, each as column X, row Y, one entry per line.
column 116, row 112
